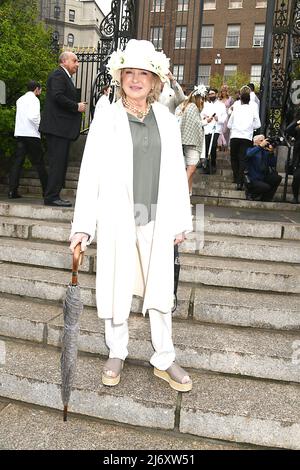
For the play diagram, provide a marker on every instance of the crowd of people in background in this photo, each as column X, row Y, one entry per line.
column 210, row 120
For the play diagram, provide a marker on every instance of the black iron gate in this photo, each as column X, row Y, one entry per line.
column 115, row 31
column 281, row 71
column 173, row 26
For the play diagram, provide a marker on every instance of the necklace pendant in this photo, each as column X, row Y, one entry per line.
column 140, row 114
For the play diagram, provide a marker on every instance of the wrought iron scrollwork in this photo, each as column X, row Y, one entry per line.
column 285, row 49
column 116, row 29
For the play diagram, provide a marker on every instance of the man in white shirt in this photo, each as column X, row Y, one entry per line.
column 253, row 96
column 28, row 138
column 214, row 114
column 242, row 123
column 103, row 101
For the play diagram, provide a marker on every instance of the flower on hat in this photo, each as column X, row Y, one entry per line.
column 160, row 63
column 116, row 61
column 200, row 90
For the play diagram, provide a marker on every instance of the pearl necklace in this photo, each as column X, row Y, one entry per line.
column 140, row 114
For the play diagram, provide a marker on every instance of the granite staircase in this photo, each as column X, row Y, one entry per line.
column 236, row 328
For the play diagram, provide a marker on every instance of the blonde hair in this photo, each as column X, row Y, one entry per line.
column 226, row 89
column 258, row 137
column 245, row 89
column 154, row 92
column 198, row 100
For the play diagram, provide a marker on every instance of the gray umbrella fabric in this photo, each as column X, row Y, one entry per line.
column 72, row 309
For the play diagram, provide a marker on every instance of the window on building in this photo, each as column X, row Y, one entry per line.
column 204, row 74
column 261, row 4
column 72, row 15
column 183, row 5
column 156, row 36
column 233, row 4
column 180, row 37
column 255, row 73
column 178, row 72
column 70, row 40
column 55, row 35
column 56, row 11
column 158, row 5
column 229, row 71
column 207, row 36
column 209, row 5
column 233, row 35
column 258, row 36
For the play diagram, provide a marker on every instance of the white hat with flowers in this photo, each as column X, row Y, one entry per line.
column 199, row 90
column 138, row 54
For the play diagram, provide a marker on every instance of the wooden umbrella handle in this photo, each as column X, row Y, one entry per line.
column 77, row 261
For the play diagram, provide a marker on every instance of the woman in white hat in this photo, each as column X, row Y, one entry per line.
column 142, row 215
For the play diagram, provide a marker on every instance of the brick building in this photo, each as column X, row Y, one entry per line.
column 231, row 37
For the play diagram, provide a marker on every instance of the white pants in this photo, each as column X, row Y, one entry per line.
column 116, row 336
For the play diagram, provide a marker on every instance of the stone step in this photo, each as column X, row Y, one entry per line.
column 225, row 177
column 51, row 284
column 36, row 191
column 262, row 276
column 42, row 254
column 242, row 351
column 26, row 227
column 224, row 185
column 221, row 407
column 30, row 251
column 70, row 184
column 284, row 251
column 232, row 194
column 35, row 210
column 223, row 306
column 208, row 304
column 244, row 204
column 84, row 433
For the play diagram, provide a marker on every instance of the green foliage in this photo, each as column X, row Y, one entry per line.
column 7, row 141
column 25, row 54
column 234, row 82
column 296, row 70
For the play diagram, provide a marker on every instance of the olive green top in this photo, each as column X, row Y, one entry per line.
column 146, row 166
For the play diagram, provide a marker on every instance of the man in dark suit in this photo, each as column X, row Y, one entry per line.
column 60, row 122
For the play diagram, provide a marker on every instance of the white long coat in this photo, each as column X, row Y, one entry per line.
column 105, row 200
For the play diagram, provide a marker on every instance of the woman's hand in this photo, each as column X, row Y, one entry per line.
column 179, row 238
column 78, row 238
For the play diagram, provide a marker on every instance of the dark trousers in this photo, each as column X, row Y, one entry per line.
column 213, row 154
column 238, row 149
column 267, row 188
column 58, row 154
column 32, row 147
column 296, row 183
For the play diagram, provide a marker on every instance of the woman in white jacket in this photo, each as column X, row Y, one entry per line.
column 140, row 219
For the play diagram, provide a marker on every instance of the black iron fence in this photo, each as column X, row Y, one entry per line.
column 115, row 31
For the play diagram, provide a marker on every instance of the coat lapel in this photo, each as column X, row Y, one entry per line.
column 125, row 148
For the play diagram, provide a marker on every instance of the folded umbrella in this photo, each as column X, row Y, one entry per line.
column 176, row 276
column 72, row 309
